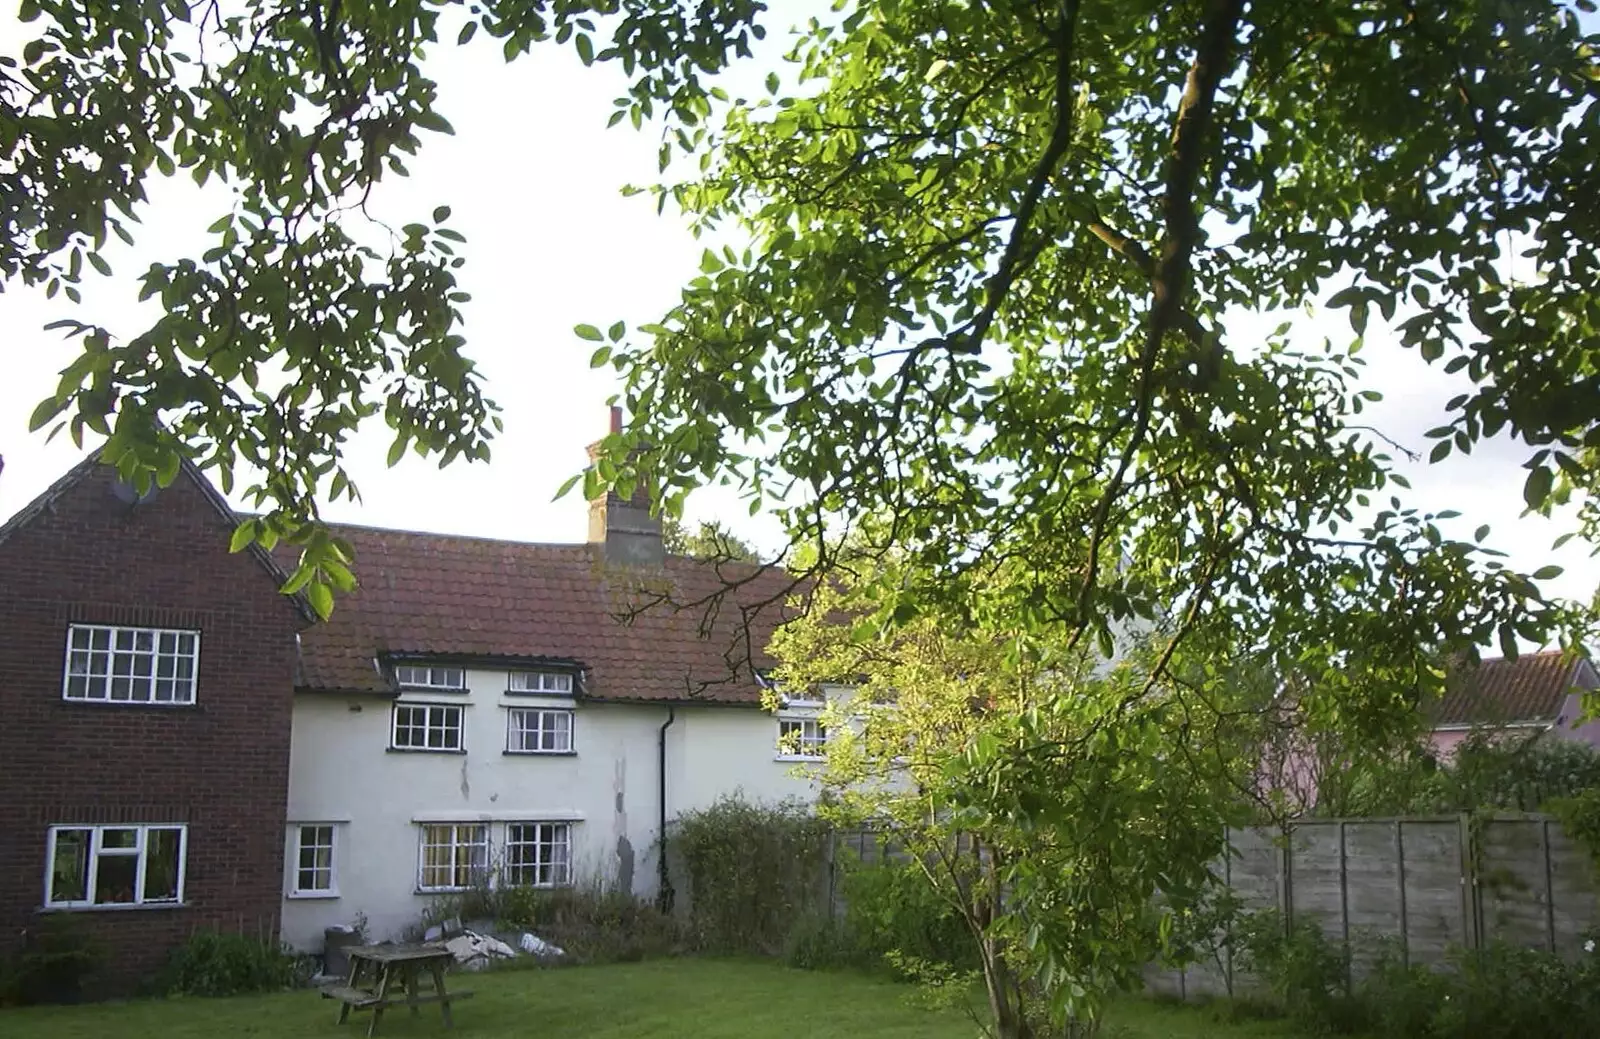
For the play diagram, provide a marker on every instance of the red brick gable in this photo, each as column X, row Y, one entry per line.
column 1498, row 691
column 220, row 767
column 481, row 598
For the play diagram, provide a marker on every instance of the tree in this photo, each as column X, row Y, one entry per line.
column 707, row 541
column 992, row 250
column 1068, row 811
column 305, row 317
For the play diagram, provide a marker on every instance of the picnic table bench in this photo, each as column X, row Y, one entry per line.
column 387, row 975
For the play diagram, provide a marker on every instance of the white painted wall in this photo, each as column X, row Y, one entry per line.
column 343, row 773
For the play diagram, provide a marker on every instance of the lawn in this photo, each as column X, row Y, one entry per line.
column 695, row 999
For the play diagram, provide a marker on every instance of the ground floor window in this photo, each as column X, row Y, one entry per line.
column 538, row 854
column 454, row 856
column 92, row 866
column 313, row 862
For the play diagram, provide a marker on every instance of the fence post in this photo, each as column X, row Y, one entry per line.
column 1286, row 878
column 1400, row 870
column 1549, row 884
column 1470, row 924
column 1227, row 881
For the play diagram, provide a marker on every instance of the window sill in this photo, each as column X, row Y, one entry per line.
column 428, row 892
column 312, row 896
column 800, row 757
column 135, row 907
column 137, row 705
column 540, row 753
column 425, row 750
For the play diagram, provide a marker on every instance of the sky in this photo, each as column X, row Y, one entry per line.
column 533, row 178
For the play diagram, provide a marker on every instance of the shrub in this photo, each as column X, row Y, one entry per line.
column 591, row 923
column 753, row 871
column 1306, row 973
column 215, row 963
column 55, row 959
column 891, row 908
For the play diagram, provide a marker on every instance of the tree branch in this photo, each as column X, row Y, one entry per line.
column 1060, row 139
column 1171, row 278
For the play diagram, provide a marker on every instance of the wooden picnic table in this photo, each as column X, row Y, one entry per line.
column 387, row 975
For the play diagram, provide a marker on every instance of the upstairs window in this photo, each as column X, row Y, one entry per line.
column 802, row 739
column 108, row 664
column 416, row 676
column 558, row 683
column 535, row 730
column 94, row 866
column 427, row 727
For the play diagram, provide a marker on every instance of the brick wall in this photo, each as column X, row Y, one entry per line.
column 220, row 766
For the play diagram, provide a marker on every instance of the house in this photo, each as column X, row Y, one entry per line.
column 484, row 711
column 185, row 748
column 1535, row 693
column 147, row 682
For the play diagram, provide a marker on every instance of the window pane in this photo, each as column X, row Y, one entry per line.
column 116, row 877
column 119, row 839
column 100, row 638
column 162, row 848
column 69, row 872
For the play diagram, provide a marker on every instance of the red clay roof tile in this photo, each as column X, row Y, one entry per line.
column 442, row 594
column 1498, row 691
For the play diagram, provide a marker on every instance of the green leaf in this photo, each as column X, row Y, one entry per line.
column 397, row 450
column 98, row 263
column 244, row 535
column 441, row 214
column 1547, row 573
column 466, row 33
column 319, row 594
column 1440, row 451
column 710, row 263
column 1537, row 487
column 600, row 357
column 589, row 332
column 585, row 48
column 616, row 331
column 45, row 411
column 428, row 119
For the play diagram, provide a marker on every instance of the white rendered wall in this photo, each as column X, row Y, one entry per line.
column 343, row 773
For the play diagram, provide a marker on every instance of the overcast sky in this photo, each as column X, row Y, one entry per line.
column 532, row 176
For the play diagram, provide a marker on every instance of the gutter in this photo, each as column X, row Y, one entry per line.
column 664, row 892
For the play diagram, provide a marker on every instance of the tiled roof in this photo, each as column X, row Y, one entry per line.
column 479, row 598
column 1498, row 691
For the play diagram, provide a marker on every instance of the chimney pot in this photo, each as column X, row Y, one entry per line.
column 616, row 419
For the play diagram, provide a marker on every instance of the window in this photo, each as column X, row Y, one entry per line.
column 538, row 854
column 801, row 738
column 558, row 682
column 427, row 726
column 313, row 868
column 454, row 856
column 131, row 665
column 115, row 866
column 411, row 676
column 537, row 730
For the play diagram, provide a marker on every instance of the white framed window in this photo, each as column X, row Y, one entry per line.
column 107, row 664
column 453, row 856
column 94, row 866
column 427, row 727
column 314, row 875
column 538, row 730
column 802, row 739
column 417, row 676
column 538, row 854
column 557, row 682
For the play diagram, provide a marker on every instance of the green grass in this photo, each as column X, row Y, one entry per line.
column 695, row 999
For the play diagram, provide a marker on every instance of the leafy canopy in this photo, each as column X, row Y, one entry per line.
column 304, row 316
column 986, row 308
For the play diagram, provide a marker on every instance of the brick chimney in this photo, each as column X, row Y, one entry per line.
column 624, row 527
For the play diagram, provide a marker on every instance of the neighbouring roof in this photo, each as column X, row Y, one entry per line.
column 1531, row 688
column 482, row 599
